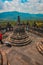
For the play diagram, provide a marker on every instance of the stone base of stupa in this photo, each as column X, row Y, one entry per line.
column 40, row 47
column 21, row 39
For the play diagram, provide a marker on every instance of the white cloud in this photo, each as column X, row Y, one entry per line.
column 31, row 6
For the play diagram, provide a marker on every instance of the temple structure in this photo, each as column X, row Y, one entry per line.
column 20, row 36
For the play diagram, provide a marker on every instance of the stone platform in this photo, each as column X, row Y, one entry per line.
column 24, row 55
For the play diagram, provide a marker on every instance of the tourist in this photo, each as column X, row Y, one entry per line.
column 1, row 37
column 8, row 43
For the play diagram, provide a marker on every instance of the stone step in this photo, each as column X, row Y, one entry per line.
column 3, row 60
column 21, row 44
column 19, row 37
column 40, row 48
column 20, row 41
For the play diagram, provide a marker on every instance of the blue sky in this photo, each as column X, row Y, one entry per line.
column 11, row 0
column 27, row 6
column 6, row 0
column 23, row 1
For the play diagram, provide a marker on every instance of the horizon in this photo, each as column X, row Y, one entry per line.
column 20, row 12
column 24, row 16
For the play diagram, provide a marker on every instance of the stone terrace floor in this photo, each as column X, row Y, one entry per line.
column 26, row 55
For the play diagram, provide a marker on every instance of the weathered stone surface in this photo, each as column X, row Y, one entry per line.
column 26, row 55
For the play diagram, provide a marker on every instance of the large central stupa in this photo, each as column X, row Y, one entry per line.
column 20, row 36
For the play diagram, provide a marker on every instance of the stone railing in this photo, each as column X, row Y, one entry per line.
column 37, row 31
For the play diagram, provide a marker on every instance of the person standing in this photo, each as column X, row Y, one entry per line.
column 1, row 37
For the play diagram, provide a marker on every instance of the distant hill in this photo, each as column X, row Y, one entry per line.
column 24, row 16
